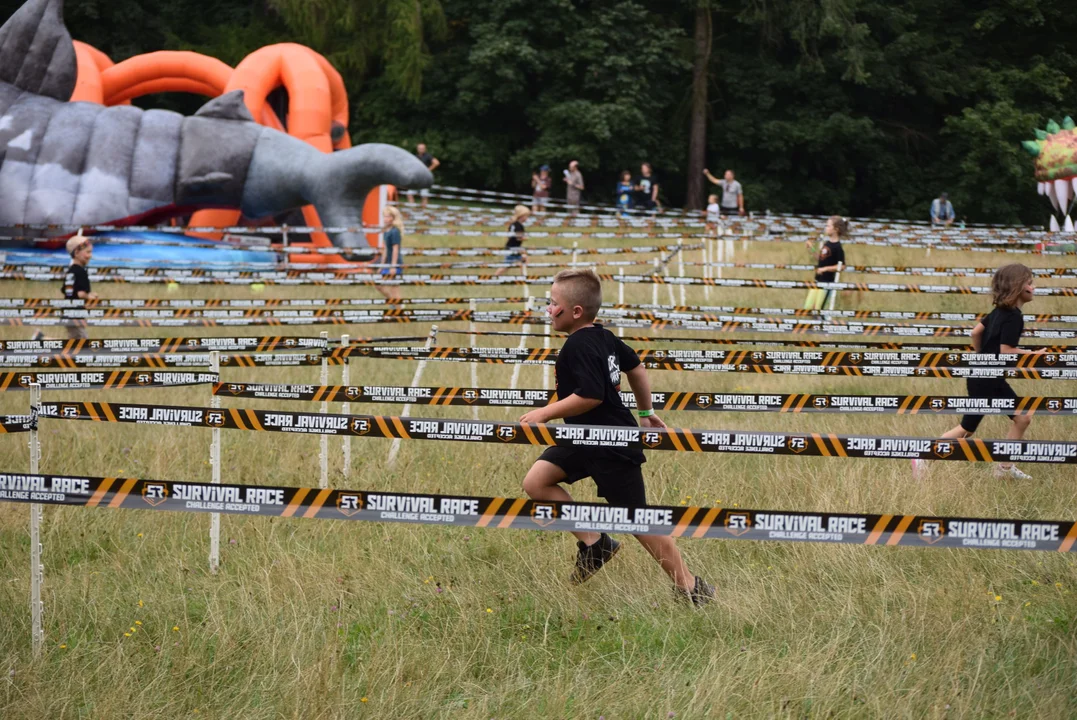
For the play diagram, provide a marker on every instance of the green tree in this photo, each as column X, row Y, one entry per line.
column 359, row 36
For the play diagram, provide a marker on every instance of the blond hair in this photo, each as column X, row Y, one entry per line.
column 520, row 211
column 581, row 286
column 398, row 218
column 1009, row 283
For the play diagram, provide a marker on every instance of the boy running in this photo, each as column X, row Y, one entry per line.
column 588, row 376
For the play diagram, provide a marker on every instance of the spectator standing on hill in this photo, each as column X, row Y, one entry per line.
column 574, row 180
column 624, row 194
column 942, row 211
column 646, row 187
column 541, row 182
column 432, row 164
column 732, row 193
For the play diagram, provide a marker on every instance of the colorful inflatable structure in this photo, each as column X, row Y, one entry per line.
column 1055, row 150
column 99, row 160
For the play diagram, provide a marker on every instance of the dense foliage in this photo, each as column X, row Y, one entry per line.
column 853, row 106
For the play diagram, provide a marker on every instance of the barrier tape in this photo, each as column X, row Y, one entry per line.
column 785, row 327
column 857, row 314
column 10, row 424
column 138, row 303
column 520, row 514
column 207, row 303
column 115, row 380
column 665, row 401
column 271, row 315
column 680, row 360
column 852, row 344
column 118, row 360
column 830, row 358
column 547, row 356
column 513, row 433
column 883, row 269
column 187, row 345
column 340, row 278
column 776, row 224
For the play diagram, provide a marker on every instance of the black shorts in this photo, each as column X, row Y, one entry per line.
column 985, row 388
column 729, row 211
column 619, row 479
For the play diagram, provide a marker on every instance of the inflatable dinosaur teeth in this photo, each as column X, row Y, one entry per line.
column 1055, row 150
column 82, row 164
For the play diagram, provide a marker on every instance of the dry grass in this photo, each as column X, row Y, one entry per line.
column 328, row 619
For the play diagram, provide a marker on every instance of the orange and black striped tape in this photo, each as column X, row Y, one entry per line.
column 521, row 514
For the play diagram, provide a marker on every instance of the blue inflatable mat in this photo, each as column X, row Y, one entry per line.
column 193, row 253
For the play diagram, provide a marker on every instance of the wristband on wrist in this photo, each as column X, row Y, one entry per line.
column 645, row 413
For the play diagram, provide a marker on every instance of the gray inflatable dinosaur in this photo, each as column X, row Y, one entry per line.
column 81, row 164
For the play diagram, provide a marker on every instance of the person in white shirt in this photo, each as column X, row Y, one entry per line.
column 714, row 215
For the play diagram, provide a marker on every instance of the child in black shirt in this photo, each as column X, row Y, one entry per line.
column 588, row 373
column 1000, row 332
column 515, row 241
column 76, row 282
column 828, row 261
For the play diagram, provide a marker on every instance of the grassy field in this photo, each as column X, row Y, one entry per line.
column 312, row 619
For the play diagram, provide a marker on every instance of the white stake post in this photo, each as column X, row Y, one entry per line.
column 545, row 346
column 394, row 447
column 837, row 279
column 654, row 285
column 215, row 472
column 705, row 254
column 522, row 345
column 473, row 306
column 575, row 252
column 719, row 251
column 665, row 274
column 323, row 481
column 620, row 295
column 346, row 407
column 680, row 266
column 37, row 569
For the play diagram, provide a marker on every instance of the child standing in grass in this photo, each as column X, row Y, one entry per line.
column 1000, row 332
column 588, row 376
column 829, row 260
column 392, row 260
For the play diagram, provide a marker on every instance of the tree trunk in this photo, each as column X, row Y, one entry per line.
column 697, row 138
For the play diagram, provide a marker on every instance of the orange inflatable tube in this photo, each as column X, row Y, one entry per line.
column 317, row 102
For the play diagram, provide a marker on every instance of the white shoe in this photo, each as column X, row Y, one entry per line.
column 1011, row 472
column 919, row 469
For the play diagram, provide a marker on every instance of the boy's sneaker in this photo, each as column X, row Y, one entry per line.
column 1010, row 473
column 700, row 594
column 591, row 558
column 38, row 335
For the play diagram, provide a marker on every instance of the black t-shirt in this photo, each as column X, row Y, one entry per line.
column 1003, row 326
column 589, row 365
column 646, row 187
column 516, row 235
column 76, row 279
column 426, row 159
column 830, row 254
